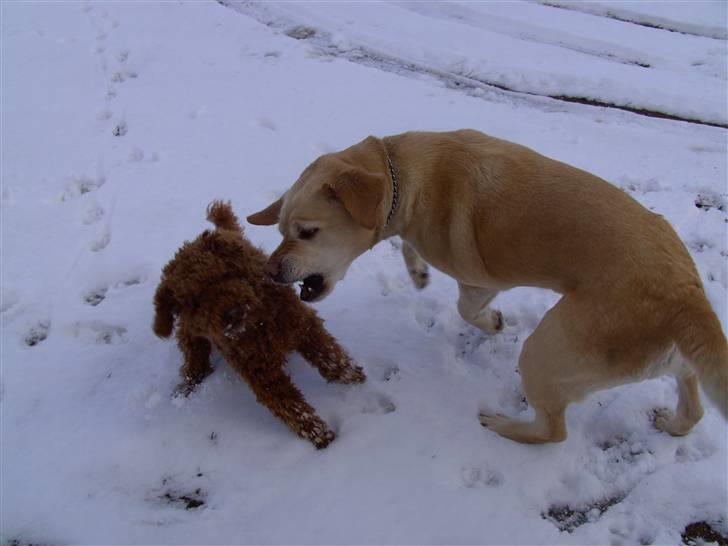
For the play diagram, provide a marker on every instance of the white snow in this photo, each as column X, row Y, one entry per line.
column 529, row 48
column 121, row 121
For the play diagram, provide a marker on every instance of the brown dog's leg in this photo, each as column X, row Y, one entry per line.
column 275, row 390
column 327, row 356
column 197, row 366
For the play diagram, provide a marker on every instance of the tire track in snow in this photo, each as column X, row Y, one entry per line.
column 513, row 28
column 643, row 20
column 470, row 84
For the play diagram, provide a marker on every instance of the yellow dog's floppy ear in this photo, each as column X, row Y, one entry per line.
column 268, row 216
column 362, row 194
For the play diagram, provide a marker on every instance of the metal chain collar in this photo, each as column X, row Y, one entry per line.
column 395, row 189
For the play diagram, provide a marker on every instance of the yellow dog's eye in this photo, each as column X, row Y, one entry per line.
column 307, row 233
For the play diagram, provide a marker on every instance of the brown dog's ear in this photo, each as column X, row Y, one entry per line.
column 164, row 309
column 362, row 194
column 268, row 216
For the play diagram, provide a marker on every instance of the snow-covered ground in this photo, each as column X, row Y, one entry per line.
column 121, row 121
column 529, row 48
column 699, row 17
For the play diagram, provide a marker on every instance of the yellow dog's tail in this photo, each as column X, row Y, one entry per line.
column 701, row 340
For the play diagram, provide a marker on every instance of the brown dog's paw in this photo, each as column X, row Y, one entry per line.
column 190, row 381
column 184, row 389
column 352, row 374
column 319, row 434
column 328, row 437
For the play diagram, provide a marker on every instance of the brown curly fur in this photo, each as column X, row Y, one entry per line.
column 216, row 290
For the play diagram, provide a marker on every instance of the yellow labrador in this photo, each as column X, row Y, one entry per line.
column 494, row 215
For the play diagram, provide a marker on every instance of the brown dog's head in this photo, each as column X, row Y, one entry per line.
column 333, row 213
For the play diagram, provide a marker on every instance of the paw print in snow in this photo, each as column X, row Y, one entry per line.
column 100, row 333
column 102, row 242
column 480, row 477
column 37, row 333
column 95, row 296
column 379, row 404
column 120, row 129
column 81, row 185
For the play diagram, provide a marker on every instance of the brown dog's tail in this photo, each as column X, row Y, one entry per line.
column 221, row 214
column 164, row 310
column 702, row 342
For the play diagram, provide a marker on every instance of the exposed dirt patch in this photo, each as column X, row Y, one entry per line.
column 188, row 501
column 707, row 201
column 568, row 518
column 701, row 532
column 188, row 496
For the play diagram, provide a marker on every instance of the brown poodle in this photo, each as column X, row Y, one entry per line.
column 216, row 288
